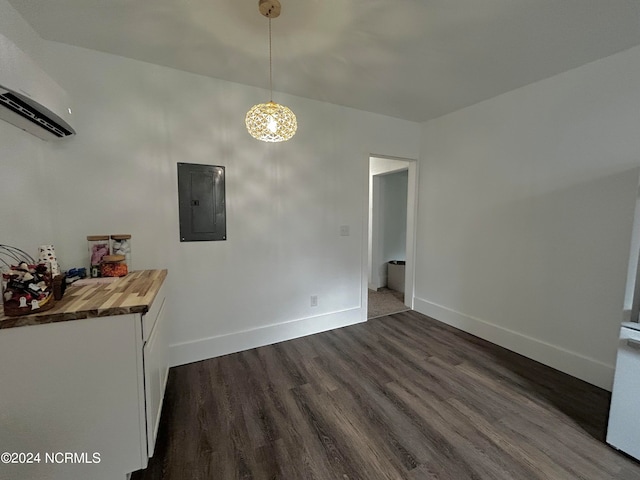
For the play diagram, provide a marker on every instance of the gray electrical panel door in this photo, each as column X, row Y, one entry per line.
column 201, row 198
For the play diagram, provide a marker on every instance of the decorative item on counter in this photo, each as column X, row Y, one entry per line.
column 113, row 266
column 13, row 255
column 75, row 274
column 98, row 249
column 26, row 285
column 47, row 254
column 121, row 245
column 59, row 286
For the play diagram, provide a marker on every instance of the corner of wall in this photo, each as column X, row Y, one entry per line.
column 579, row 366
column 16, row 28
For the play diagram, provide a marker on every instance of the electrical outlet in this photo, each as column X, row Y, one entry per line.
column 314, row 300
column 344, row 230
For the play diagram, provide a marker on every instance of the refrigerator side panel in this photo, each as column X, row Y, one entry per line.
column 623, row 431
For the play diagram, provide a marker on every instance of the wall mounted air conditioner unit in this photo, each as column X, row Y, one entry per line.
column 29, row 98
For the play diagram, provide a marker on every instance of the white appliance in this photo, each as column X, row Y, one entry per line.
column 623, row 432
column 29, row 98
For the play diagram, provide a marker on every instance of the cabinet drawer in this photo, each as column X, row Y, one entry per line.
column 149, row 319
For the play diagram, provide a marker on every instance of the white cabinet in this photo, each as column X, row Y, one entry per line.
column 156, row 369
column 85, row 387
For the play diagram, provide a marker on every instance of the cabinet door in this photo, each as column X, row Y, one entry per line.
column 156, row 367
column 73, row 387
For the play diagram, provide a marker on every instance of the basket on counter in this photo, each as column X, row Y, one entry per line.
column 27, row 286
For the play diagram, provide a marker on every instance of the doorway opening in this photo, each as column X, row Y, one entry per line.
column 390, row 240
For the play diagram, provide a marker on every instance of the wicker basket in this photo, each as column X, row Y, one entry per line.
column 18, row 290
column 44, row 305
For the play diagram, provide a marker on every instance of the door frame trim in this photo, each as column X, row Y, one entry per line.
column 412, row 218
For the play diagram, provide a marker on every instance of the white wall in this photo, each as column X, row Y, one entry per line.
column 388, row 223
column 24, row 197
column 526, row 208
column 13, row 26
column 285, row 202
column 395, row 215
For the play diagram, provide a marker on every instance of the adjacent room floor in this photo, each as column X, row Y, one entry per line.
column 385, row 301
column 398, row 397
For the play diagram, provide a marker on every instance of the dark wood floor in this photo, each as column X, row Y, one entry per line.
column 399, row 397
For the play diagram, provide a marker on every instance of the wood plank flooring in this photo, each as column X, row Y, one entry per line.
column 398, row 397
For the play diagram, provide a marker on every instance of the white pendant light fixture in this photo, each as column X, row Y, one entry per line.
column 271, row 122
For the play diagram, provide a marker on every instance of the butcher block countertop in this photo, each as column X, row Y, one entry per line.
column 131, row 294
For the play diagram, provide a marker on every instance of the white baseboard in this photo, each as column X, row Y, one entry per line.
column 194, row 351
column 575, row 364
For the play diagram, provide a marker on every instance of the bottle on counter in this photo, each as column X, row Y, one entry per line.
column 121, row 245
column 98, row 249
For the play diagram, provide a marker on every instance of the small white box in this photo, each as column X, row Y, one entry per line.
column 395, row 275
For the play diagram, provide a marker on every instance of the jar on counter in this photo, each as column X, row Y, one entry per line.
column 98, row 249
column 113, row 266
column 121, row 245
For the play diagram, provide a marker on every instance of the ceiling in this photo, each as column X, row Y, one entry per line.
column 411, row 59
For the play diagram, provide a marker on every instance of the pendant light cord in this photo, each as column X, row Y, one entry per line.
column 270, row 69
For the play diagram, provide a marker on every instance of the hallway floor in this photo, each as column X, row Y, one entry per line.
column 385, row 302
